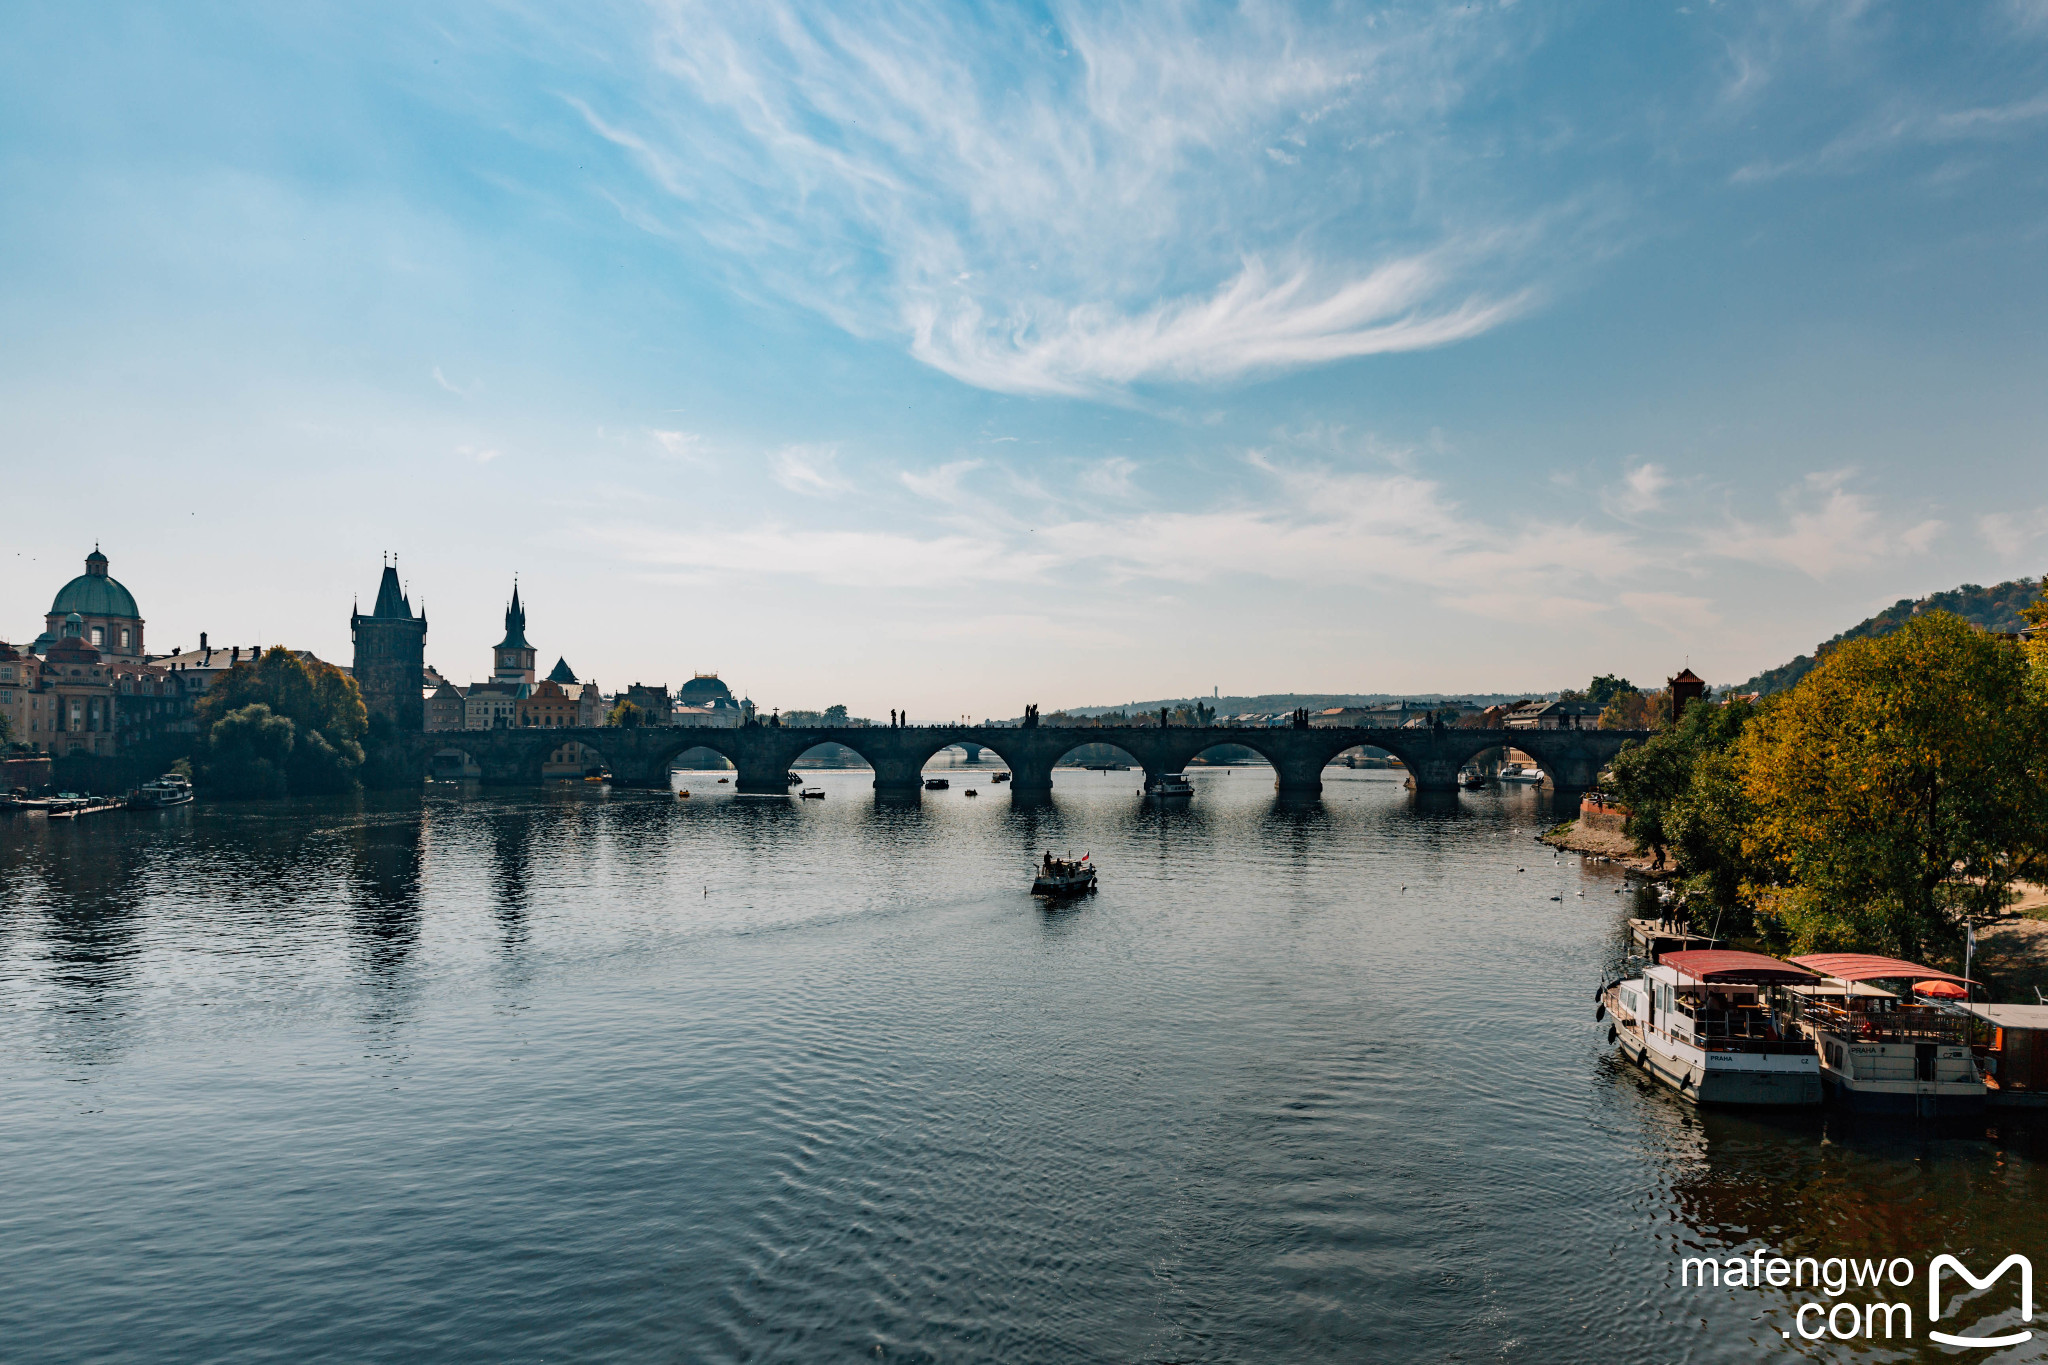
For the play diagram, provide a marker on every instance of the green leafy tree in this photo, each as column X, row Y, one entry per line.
column 1633, row 710
column 249, row 752
column 1898, row 790
column 1606, row 688
column 297, row 727
column 2035, row 614
column 1674, row 786
column 834, row 716
column 626, row 716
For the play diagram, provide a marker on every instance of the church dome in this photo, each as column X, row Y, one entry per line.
column 92, row 593
column 703, row 690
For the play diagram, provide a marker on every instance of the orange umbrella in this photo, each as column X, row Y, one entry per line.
column 1941, row 990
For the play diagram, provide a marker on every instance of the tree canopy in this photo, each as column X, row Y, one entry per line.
column 281, row 725
column 1900, row 788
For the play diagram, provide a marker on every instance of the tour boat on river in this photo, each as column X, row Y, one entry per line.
column 1702, row 1022
column 1881, row 1052
column 1168, row 784
column 1064, row 876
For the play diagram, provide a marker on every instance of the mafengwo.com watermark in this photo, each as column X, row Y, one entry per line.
column 1867, row 1299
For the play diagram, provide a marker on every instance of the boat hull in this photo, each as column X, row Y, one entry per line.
column 1888, row 1078
column 1779, row 1079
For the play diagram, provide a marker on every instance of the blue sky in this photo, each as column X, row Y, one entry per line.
column 954, row 357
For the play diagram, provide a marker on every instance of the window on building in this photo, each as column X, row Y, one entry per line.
column 127, row 638
column 99, row 637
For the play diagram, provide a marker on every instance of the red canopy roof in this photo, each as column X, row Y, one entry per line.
column 1727, row 967
column 1864, row 967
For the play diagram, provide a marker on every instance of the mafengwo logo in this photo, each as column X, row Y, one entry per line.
column 1868, row 1316
column 1940, row 1263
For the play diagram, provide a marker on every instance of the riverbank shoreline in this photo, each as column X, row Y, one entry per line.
column 2012, row 955
column 1593, row 837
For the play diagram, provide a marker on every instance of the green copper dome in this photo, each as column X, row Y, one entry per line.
column 92, row 593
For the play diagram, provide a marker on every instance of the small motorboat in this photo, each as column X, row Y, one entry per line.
column 812, row 793
column 1168, row 785
column 936, row 784
column 723, row 780
column 1064, row 876
column 970, row 792
column 1000, row 777
column 1471, row 782
column 683, row 794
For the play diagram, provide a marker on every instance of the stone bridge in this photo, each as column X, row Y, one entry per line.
column 764, row 755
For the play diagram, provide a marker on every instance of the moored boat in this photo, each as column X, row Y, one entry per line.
column 1000, row 777
column 936, row 784
column 812, row 794
column 1881, row 1053
column 1064, row 876
column 2011, row 1045
column 1168, row 784
column 1525, row 774
column 172, row 789
column 1702, row 1023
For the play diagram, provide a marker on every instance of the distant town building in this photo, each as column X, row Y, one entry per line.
column 445, row 708
column 652, row 699
column 590, row 706
column 707, row 703
column 546, row 705
column 1554, row 715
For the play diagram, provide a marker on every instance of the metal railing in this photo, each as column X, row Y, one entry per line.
column 1907, row 1024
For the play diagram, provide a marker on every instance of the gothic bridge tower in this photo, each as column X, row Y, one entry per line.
column 391, row 648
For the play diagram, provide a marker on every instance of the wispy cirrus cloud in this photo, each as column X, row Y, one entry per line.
column 1095, row 199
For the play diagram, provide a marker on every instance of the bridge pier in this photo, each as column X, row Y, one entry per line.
column 1298, row 777
column 1031, row 777
column 1434, row 773
column 756, row 780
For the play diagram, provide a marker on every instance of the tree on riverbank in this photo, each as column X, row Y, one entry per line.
column 281, row 725
column 1685, row 799
column 1897, row 791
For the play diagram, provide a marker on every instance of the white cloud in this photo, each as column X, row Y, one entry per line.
column 1310, row 526
column 1826, row 528
column 481, row 454
column 687, row 446
column 1152, row 193
column 445, row 383
column 2013, row 533
column 812, row 470
column 1642, row 490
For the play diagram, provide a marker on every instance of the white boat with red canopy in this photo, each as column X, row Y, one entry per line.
column 1882, row 1049
column 1703, row 1022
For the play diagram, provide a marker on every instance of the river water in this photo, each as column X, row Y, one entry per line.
column 562, row 1074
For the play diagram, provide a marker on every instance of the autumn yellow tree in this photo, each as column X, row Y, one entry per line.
column 1899, row 789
